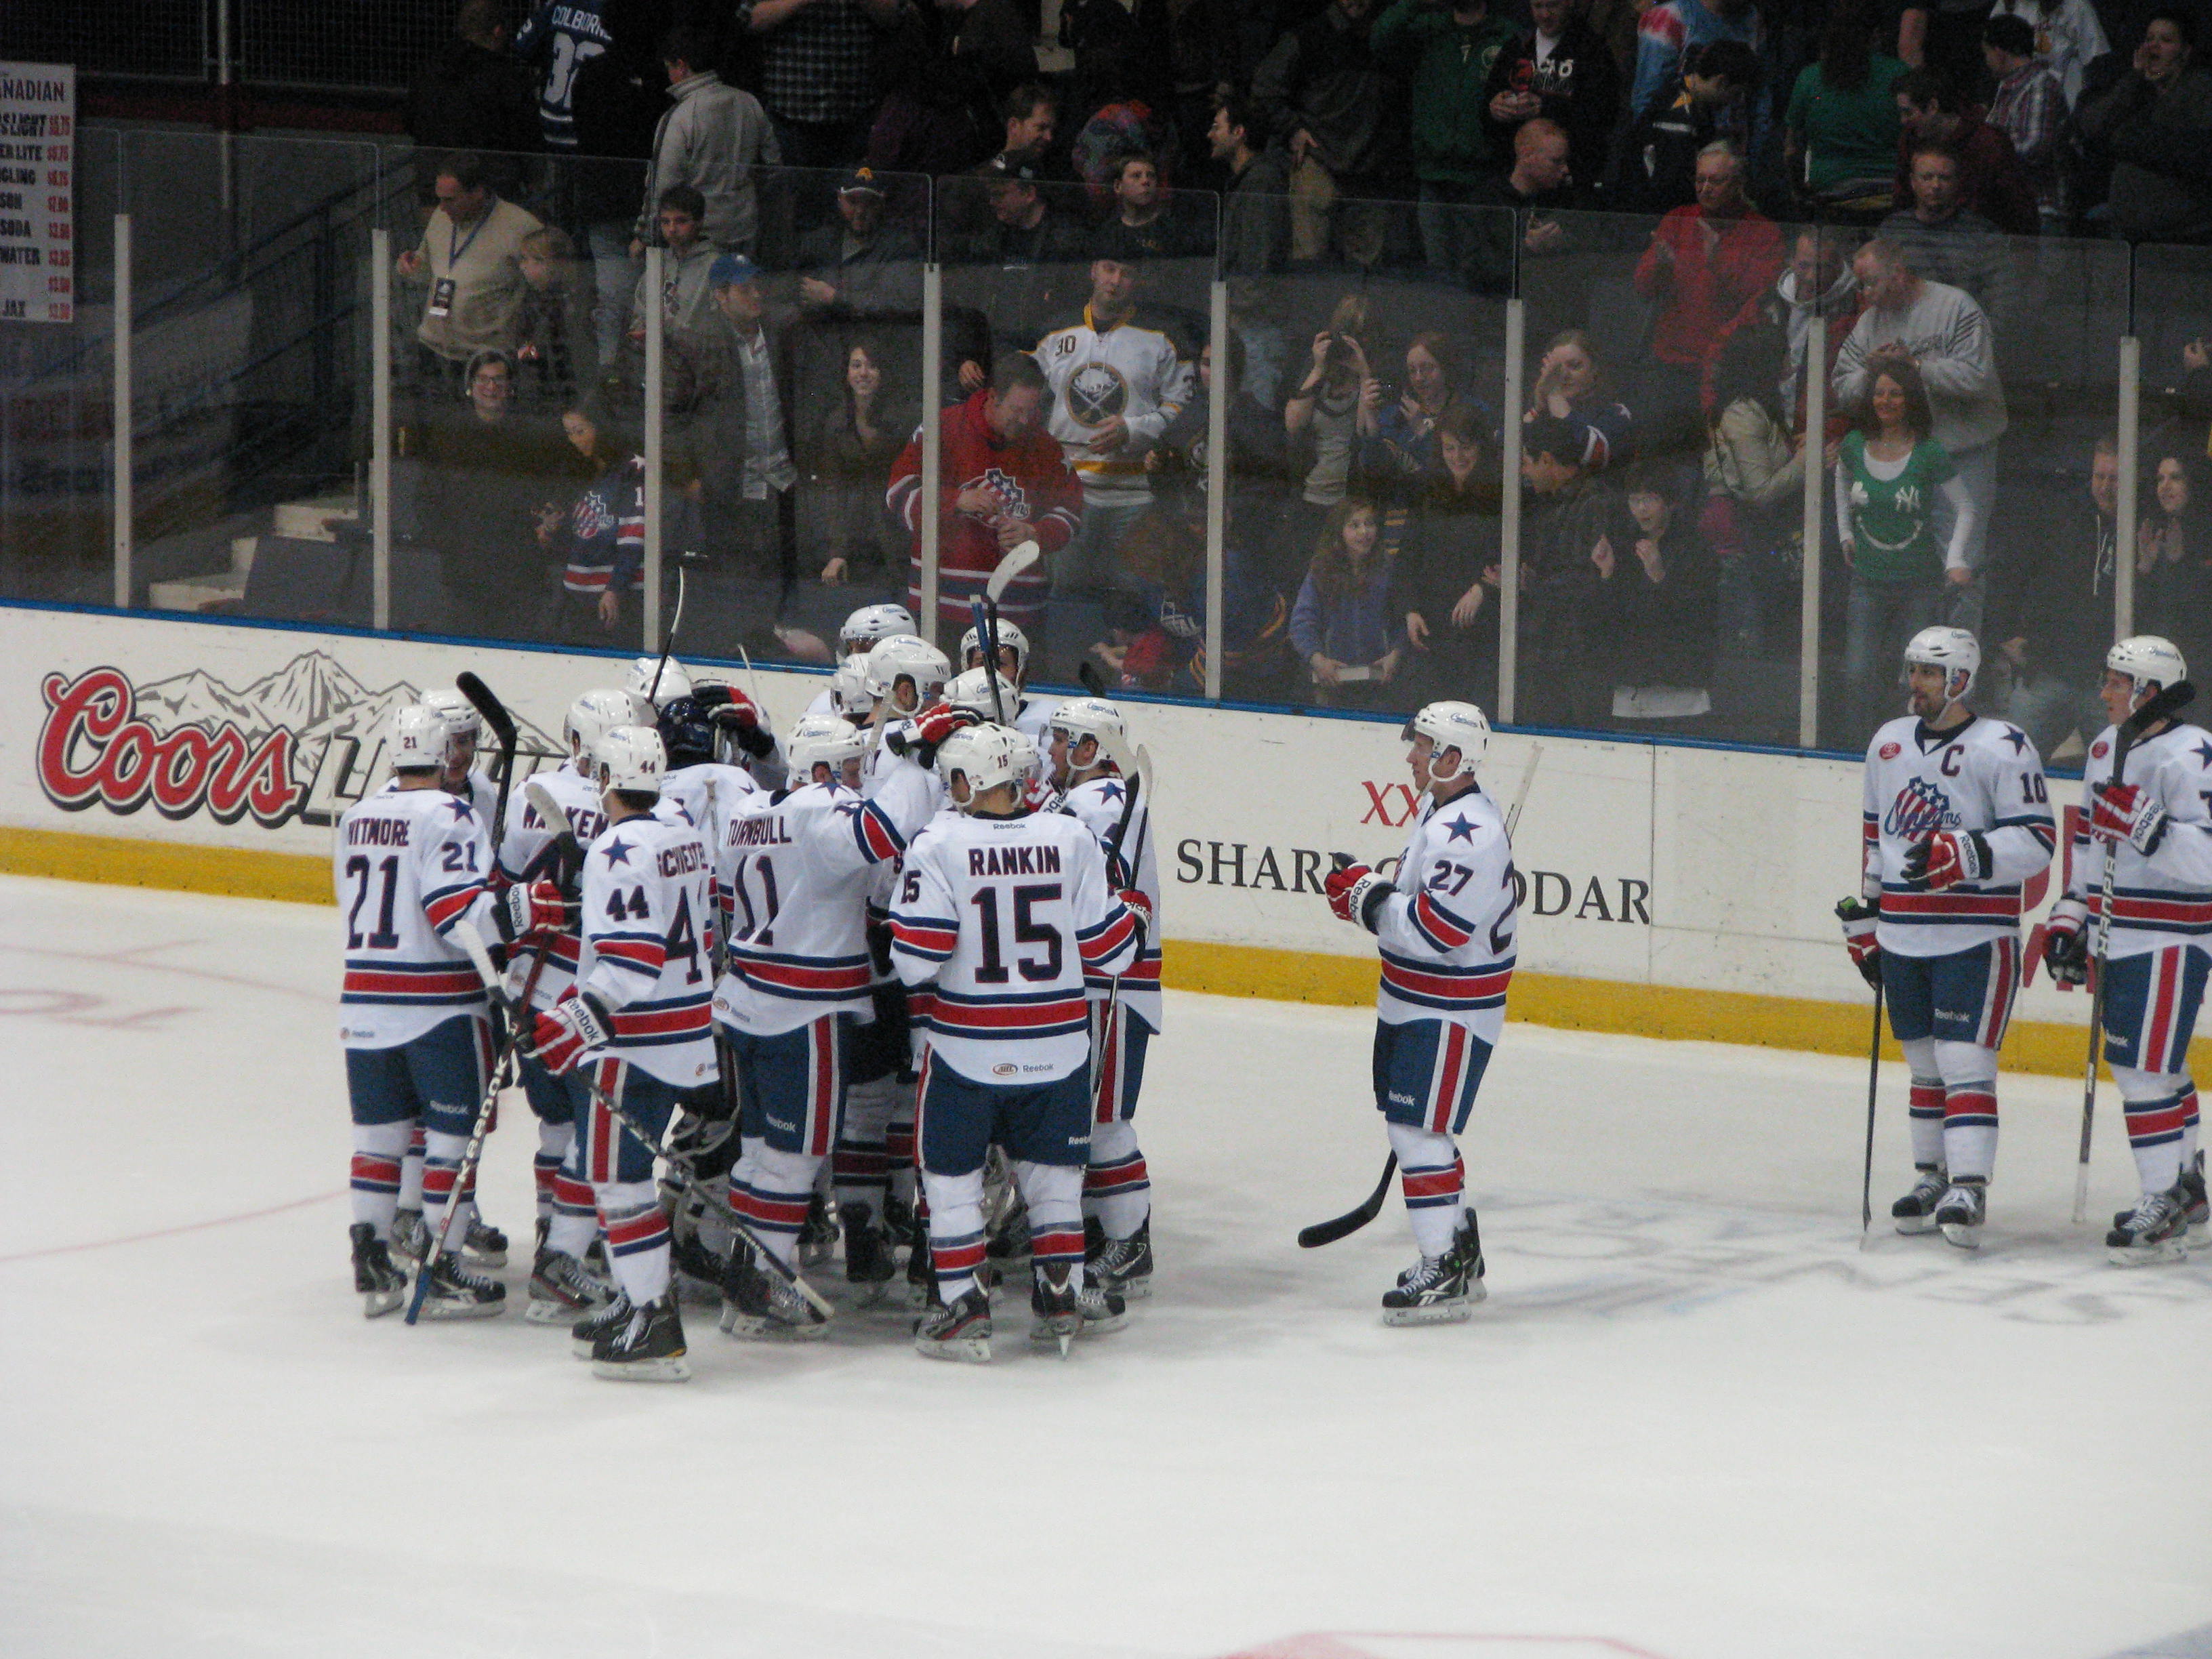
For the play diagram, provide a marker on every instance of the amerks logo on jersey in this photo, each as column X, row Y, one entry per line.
column 303, row 742
column 1919, row 810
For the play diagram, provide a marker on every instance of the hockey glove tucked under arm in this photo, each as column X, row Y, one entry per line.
column 575, row 1024
column 2125, row 813
column 2066, row 943
column 1946, row 859
column 1354, row 891
column 531, row 910
column 1140, row 907
column 1858, row 921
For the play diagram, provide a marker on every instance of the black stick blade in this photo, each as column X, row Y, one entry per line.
column 1327, row 1232
column 493, row 710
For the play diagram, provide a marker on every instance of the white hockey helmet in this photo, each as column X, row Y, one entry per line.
column 907, row 657
column 848, row 687
column 1095, row 717
column 1460, row 726
column 459, row 715
column 598, row 711
column 824, row 740
column 1954, row 650
column 971, row 648
column 972, row 690
column 2146, row 659
column 988, row 756
column 871, row 623
column 416, row 739
column 630, row 757
column 659, row 683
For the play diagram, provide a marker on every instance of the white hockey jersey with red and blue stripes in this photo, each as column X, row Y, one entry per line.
column 793, row 872
column 1982, row 775
column 709, row 792
column 408, row 866
column 2164, row 899
column 526, row 836
column 1097, row 806
column 648, row 916
column 1447, row 928
column 1005, row 919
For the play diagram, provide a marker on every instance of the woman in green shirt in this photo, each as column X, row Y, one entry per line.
column 1842, row 124
column 1889, row 475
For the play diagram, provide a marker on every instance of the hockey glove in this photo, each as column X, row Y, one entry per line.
column 735, row 713
column 1353, row 891
column 932, row 727
column 1946, row 859
column 1858, row 921
column 2066, row 943
column 575, row 1024
column 530, row 911
column 2124, row 814
column 1141, row 908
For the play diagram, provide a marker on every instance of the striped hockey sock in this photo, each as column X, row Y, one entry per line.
column 2158, row 1109
column 377, row 1150
column 441, row 1168
column 1434, row 1182
column 956, row 1230
column 1116, row 1186
column 637, row 1238
column 1054, row 1193
column 575, row 1222
column 411, row 1169
column 553, row 1141
column 771, row 1191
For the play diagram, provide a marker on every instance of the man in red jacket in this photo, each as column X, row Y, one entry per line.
column 1003, row 481
column 1706, row 262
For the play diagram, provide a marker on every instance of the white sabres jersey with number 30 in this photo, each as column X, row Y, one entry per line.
column 1007, row 916
column 1982, row 775
column 648, row 912
column 1448, row 929
column 408, row 867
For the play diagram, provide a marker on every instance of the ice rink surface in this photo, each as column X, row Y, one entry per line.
column 1692, row 1420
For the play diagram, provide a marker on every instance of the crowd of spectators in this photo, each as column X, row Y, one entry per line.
column 1685, row 193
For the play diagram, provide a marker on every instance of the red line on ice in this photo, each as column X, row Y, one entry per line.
column 171, row 1232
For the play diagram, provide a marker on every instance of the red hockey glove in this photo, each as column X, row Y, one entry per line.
column 1351, row 889
column 573, row 1024
column 2123, row 814
column 1948, row 859
column 940, row 720
column 531, row 911
column 2066, row 943
column 1140, row 907
column 1858, row 920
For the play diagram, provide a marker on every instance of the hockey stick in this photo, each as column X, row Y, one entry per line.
column 667, row 642
column 986, row 636
column 1873, row 1076
column 1327, row 1232
column 2169, row 700
column 1124, row 871
column 495, row 714
column 472, row 942
column 1018, row 558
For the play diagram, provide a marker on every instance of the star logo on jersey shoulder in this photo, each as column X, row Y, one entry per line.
column 2017, row 738
column 461, row 809
column 618, row 851
column 2203, row 752
column 1461, row 829
column 1110, row 790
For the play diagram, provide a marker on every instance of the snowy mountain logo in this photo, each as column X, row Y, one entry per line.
column 304, row 741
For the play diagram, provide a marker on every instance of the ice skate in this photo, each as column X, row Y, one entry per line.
column 1960, row 1215
column 2192, row 1191
column 648, row 1347
column 410, row 1236
column 696, row 1271
column 960, row 1331
column 1440, row 1289
column 1124, row 1266
column 381, row 1283
column 560, row 1290
column 1053, row 1299
column 584, row 1336
column 456, row 1292
column 869, row 1266
column 2153, row 1232
column 920, row 1275
column 485, row 1245
column 759, row 1306
column 818, row 1234
column 1916, row 1211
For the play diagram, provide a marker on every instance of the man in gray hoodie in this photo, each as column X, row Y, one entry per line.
column 712, row 138
column 1946, row 336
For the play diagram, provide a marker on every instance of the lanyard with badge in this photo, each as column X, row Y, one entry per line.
column 441, row 291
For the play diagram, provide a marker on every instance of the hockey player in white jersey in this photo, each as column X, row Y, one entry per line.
column 862, row 629
column 1445, row 926
column 463, row 738
column 409, row 865
column 794, row 871
column 637, row 1021
column 560, row 1288
column 1085, row 733
column 1004, row 912
column 905, row 676
column 1956, row 815
column 710, row 789
column 1027, row 714
column 2154, row 823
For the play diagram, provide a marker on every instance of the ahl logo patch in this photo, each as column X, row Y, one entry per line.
column 1919, row 810
column 1005, row 1068
column 2100, row 749
column 1891, row 751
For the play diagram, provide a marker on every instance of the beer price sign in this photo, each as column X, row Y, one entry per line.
column 38, row 149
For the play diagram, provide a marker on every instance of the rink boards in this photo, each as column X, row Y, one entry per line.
column 1668, row 891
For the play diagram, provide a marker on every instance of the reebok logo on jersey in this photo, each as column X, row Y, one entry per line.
column 1013, row 861
column 1919, row 810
